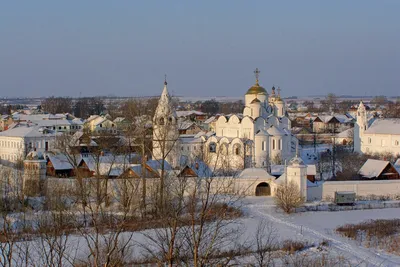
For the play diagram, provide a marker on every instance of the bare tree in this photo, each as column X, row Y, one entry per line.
column 266, row 241
column 55, row 105
column 287, row 197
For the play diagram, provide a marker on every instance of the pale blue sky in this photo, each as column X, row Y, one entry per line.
column 207, row 48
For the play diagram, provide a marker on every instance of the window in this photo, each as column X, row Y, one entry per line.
column 280, row 144
column 273, row 144
column 383, row 142
column 396, row 143
column 212, row 147
column 161, row 121
column 369, row 140
column 236, row 149
column 263, row 146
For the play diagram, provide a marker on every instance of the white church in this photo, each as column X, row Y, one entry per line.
column 376, row 135
column 259, row 137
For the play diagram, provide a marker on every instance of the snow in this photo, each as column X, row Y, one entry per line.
column 373, row 168
column 318, row 226
column 313, row 227
column 384, row 126
column 255, row 173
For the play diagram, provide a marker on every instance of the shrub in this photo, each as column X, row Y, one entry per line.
column 288, row 197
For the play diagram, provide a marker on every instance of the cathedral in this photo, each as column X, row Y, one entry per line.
column 258, row 137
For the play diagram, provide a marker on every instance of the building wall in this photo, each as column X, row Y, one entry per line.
column 361, row 188
column 371, row 143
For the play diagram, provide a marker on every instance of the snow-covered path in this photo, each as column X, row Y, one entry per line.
column 300, row 224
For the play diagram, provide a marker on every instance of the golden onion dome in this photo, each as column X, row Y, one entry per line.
column 256, row 89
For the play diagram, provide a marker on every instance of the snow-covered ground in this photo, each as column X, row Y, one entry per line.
column 317, row 226
column 313, row 227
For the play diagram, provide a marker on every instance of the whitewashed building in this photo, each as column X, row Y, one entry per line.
column 373, row 135
column 15, row 143
column 256, row 138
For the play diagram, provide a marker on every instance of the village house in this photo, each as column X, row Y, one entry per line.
column 374, row 169
column 16, row 143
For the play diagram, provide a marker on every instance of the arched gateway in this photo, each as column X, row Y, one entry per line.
column 263, row 189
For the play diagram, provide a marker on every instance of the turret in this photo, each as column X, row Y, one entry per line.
column 279, row 105
column 261, row 146
column 34, row 179
column 360, row 127
column 297, row 173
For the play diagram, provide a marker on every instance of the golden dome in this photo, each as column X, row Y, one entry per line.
column 256, row 89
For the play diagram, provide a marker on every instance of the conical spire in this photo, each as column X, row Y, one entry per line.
column 164, row 107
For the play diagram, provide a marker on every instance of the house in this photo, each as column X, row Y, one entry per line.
column 197, row 169
column 5, row 121
column 188, row 127
column 99, row 124
column 331, row 123
column 122, row 123
column 345, row 137
column 374, row 169
column 192, row 115
column 18, row 140
column 58, row 165
column 375, row 135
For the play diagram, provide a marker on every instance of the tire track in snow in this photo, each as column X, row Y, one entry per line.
column 365, row 256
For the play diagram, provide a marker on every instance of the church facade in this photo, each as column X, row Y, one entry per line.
column 258, row 137
column 376, row 135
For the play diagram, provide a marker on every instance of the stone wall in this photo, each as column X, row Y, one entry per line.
column 361, row 188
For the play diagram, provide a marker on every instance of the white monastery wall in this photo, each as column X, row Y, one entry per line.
column 361, row 188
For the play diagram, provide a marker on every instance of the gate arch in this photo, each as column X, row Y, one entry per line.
column 263, row 189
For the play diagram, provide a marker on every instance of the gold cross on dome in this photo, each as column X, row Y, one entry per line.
column 257, row 73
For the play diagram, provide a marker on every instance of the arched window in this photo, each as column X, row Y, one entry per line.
column 369, row 140
column 273, row 144
column 212, row 147
column 237, row 149
column 161, row 121
column 396, row 143
column 170, row 120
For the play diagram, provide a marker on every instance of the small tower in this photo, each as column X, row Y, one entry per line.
column 261, row 147
column 165, row 130
column 360, row 127
column 297, row 173
column 279, row 105
column 34, row 179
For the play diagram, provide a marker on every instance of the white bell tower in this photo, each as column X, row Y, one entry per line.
column 360, row 127
column 165, row 130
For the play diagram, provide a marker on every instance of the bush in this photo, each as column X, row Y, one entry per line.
column 288, row 197
column 292, row 246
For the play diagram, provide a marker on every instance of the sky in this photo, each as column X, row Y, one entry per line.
column 206, row 48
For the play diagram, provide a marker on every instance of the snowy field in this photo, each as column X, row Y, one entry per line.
column 312, row 227
column 317, row 226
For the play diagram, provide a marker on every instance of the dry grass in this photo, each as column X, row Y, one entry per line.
column 382, row 234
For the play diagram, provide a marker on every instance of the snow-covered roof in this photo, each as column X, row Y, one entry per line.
column 255, row 173
column 384, row 126
column 274, row 131
column 184, row 125
column 60, row 162
column 211, row 119
column 280, row 169
column 27, row 131
column 373, row 168
column 184, row 113
column 345, row 134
